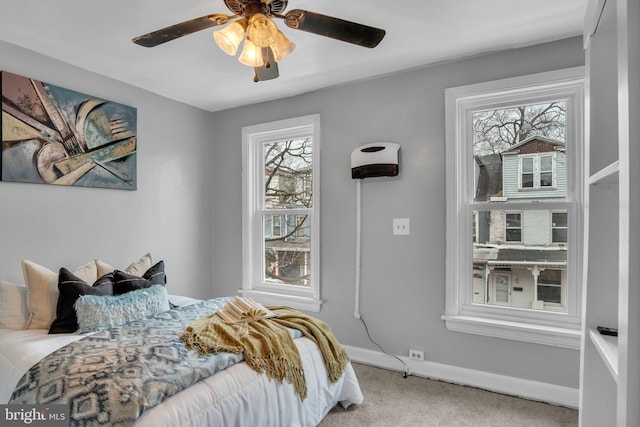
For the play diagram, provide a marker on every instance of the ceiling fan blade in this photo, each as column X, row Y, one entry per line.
column 335, row 28
column 268, row 71
column 182, row 29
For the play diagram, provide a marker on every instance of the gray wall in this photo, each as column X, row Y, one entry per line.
column 403, row 288
column 184, row 166
column 169, row 215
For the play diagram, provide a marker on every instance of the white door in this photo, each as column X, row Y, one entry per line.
column 502, row 288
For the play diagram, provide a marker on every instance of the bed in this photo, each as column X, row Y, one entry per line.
column 219, row 390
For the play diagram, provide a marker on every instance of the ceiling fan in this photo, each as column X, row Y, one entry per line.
column 264, row 45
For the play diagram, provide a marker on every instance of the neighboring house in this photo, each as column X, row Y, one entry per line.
column 520, row 255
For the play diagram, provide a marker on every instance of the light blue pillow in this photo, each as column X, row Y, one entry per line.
column 98, row 312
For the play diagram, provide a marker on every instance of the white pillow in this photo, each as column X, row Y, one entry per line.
column 13, row 306
column 136, row 268
column 42, row 291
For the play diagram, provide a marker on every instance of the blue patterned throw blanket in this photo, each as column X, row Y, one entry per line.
column 112, row 377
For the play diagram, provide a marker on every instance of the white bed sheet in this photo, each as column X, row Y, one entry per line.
column 237, row 396
column 21, row 349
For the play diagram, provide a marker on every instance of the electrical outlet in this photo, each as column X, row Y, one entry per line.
column 416, row 355
column 401, row 226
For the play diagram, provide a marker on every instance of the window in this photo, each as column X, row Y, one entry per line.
column 475, row 236
column 545, row 171
column 281, row 212
column 526, row 165
column 559, row 227
column 514, row 166
column 550, row 286
column 537, row 172
column 276, row 225
column 513, row 227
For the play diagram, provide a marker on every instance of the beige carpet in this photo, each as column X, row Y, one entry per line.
column 393, row 401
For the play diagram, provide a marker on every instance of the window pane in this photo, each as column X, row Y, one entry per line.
column 527, row 180
column 276, row 228
column 546, row 163
column 288, row 174
column 552, row 294
column 287, row 257
column 550, row 277
column 514, row 235
column 513, row 220
column 527, row 165
column 559, row 227
column 513, row 227
column 560, row 235
column 559, row 219
column 516, row 148
column 512, row 251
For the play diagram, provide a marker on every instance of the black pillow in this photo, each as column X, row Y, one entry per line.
column 71, row 288
column 125, row 282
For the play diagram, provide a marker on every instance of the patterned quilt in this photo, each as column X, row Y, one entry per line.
column 113, row 376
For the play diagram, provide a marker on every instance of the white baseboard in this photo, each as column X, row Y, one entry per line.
column 527, row 389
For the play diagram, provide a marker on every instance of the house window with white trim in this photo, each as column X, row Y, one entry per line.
column 276, row 225
column 281, row 212
column 559, row 227
column 527, row 172
column 475, row 227
column 546, row 167
column 513, row 227
column 550, row 286
column 537, row 171
column 504, row 137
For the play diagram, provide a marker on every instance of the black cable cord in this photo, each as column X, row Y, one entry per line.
column 406, row 368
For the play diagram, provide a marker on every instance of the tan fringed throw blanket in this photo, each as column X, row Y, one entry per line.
column 267, row 345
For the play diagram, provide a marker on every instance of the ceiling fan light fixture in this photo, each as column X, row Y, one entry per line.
column 229, row 38
column 264, row 44
column 262, row 30
column 281, row 46
column 251, row 54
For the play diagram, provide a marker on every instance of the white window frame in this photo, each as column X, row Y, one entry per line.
column 273, row 225
column 552, row 227
column 476, row 229
column 253, row 137
column 554, row 174
column 462, row 315
column 542, row 283
column 537, row 172
column 507, row 228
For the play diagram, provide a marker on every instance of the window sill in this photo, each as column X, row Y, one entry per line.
column 518, row 331
column 533, row 189
column 293, row 301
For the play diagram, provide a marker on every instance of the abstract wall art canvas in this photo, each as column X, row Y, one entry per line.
column 52, row 135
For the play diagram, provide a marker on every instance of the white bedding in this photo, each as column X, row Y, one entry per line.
column 237, row 396
column 21, row 349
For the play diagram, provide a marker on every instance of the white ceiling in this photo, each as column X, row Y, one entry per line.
column 97, row 36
